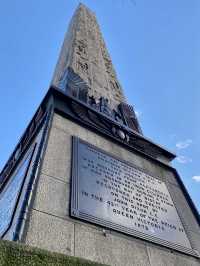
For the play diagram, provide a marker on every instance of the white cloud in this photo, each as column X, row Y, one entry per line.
column 183, row 144
column 196, row 178
column 138, row 113
column 183, row 159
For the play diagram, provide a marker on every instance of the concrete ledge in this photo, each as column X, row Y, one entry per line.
column 12, row 253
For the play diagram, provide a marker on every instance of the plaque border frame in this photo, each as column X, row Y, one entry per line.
column 76, row 213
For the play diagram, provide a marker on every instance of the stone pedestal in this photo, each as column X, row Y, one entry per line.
column 51, row 227
column 86, row 101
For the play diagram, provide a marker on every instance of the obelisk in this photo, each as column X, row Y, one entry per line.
column 84, row 50
column 84, row 180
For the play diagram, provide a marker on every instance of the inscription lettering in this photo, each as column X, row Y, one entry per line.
column 119, row 193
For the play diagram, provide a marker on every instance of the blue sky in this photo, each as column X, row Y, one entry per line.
column 154, row 46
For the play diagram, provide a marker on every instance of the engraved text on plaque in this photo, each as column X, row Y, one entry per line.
column 118, row 195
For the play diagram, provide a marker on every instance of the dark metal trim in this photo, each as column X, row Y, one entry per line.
column 33, row 178
column 22, row 146
column 31, row 153
column 37, row 143
column 63, row 104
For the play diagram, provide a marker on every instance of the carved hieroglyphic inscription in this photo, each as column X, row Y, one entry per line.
column 84, row 50
column 114, row 193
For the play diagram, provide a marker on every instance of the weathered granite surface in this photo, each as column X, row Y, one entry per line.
column 51, row 228
column 85, row 51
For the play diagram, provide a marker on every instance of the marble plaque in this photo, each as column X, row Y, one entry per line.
column 113, row 193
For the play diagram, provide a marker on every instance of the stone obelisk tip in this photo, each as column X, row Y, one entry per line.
column 84, row 50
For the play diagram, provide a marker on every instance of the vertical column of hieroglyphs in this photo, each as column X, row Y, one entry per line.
column 93, row 62
column 84, row 50
column 80, row 57
column 112, row 90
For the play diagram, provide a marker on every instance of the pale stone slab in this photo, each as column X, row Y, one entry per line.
column 110, row 249
column 162, row 257
column 195, row 240
column 72, row 128
column 52, row 196
column 132, row 158
column 153, row 168
column 51, row 233
column 170, row 177
column 182, row 260
column 184, row 210
column 57, row 159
